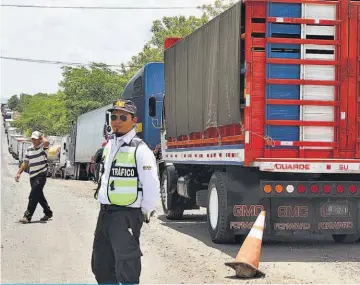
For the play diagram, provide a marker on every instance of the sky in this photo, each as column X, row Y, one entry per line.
column 73, row 35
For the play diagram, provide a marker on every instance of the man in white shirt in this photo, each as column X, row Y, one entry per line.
column 36, row 160
column 127, row 194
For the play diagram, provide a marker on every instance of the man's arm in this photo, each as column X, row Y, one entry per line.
column 22, row 168
column 148, row 176
column 45, row 142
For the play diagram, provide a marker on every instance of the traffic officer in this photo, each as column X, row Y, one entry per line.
column 127, row 194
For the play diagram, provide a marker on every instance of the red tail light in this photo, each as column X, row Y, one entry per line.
column 301, row 189
column 314, row 189
column 327, row 189
column 352, row 189
column 340, row 189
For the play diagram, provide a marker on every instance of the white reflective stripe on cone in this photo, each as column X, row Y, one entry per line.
column 260, row 221
column 256, row 233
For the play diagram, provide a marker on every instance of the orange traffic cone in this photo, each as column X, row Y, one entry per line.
column 246, row 263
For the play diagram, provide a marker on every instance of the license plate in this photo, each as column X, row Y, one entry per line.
column 335, row 210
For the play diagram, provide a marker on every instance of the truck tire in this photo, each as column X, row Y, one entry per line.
column 346, row 239
column 217, row 209
column 83, row 173
column 172, row 210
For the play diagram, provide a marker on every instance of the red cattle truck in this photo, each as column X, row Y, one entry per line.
column 262, row 111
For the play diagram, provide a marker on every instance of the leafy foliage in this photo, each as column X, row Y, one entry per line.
column 219, row 6
column 46, row 113
column 89, row 88
column 178, row 27
column 13, row 102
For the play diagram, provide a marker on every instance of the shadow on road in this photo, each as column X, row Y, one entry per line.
column 32, row 222
column 283, row 249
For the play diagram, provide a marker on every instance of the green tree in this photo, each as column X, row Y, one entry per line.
column 213, row 10
column 88, row 88
column 46, row 113
column 24, row 101
column 174, row 27
column 153, row 51
column 13, row 102
column 178, row 26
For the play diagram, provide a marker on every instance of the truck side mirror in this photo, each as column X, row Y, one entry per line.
column 152, row 107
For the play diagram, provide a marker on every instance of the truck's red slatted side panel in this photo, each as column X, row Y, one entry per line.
column 357, row 75
column 343, row 74
column 257, row 144
column 255, row 83
column 354, row 79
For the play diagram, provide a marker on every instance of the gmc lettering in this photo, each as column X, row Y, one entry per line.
column 247, row 211
column 290, row 212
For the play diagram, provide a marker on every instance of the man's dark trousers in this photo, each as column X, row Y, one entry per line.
column 116, row 256
column 37, row 196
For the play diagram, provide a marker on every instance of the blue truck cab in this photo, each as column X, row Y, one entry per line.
column 146, row 89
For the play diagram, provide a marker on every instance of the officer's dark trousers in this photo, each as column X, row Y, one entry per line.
column 116, row 254
column 37, row 196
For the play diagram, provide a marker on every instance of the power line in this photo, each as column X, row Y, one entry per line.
column 44, row 61
column 100, row 7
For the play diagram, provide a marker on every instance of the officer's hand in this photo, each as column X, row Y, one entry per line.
column 147, row 216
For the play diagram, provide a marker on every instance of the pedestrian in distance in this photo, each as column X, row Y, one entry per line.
column 36, row 161
column 127, row 194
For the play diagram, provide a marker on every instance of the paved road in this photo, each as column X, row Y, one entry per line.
column 174, row 252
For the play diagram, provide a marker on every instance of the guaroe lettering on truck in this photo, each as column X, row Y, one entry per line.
column 292, row 166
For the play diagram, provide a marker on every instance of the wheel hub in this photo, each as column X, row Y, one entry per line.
column 213, row 207
column 164, row 194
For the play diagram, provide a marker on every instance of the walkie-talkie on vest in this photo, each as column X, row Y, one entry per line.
column 113, row 164
column 112, row 186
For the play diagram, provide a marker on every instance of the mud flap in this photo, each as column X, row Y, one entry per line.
column 314, row 216
column 244, row 200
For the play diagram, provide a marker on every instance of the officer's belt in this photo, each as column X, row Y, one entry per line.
column 111, row 207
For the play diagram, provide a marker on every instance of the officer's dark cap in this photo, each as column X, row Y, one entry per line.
column 124, row 105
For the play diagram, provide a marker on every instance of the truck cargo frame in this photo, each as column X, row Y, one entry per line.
column 295, row 150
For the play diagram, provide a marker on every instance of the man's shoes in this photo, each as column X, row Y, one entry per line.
column 24, row 220
column 45, row 218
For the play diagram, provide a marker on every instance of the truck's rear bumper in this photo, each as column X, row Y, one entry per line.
column 307, row 216
column 306, row 210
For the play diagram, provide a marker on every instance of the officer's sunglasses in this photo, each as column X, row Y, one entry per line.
column 123, row 118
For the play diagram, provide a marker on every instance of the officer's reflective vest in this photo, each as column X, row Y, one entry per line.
column 123, row 184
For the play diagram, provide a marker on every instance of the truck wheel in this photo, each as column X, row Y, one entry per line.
column 168, row 179
column 347, row 239
column 217, row 209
